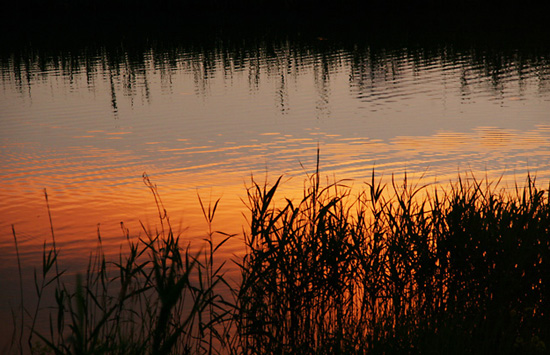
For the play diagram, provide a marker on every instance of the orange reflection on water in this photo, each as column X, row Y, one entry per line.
column 111, row 191
column 85, row 198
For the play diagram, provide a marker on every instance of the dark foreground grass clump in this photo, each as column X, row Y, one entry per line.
column 396, row 268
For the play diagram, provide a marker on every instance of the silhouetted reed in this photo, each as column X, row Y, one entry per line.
column 394, row 268
column 158, row 298
column 398, row 268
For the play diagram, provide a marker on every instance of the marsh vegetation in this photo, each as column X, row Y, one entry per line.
column 394, row 267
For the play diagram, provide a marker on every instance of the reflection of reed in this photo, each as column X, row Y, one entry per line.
column 375, row 73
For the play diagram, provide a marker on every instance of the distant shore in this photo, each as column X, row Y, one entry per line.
column 475, row 17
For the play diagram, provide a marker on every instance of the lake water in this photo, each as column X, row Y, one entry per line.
column 86, row 121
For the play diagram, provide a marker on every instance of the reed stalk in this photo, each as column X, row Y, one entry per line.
column 392, row 268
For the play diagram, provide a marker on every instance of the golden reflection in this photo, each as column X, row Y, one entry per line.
column 494, row 137
column 80, row 201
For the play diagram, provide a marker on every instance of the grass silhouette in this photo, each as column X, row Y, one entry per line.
column 396, row 268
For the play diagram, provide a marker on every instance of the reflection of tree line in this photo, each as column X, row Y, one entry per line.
column 128, row 69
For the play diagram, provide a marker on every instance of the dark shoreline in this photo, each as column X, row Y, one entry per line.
column 376, row 19
column 52, row 34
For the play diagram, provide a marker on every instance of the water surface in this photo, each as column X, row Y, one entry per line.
column 201, row 117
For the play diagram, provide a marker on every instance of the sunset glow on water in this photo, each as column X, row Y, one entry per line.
column 86, row 125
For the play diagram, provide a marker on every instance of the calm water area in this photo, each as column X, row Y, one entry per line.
column 200, row 116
